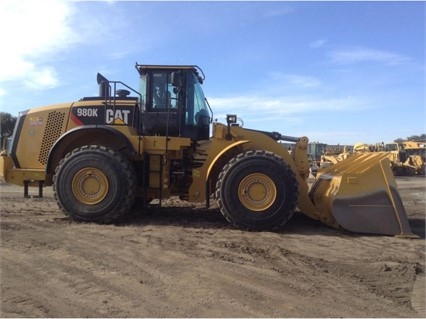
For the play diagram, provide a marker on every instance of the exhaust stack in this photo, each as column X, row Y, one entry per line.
column 104, row 88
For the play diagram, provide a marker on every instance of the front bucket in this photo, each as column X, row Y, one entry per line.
column 360, row 194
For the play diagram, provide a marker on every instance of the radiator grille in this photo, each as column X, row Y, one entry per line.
column 53, row 131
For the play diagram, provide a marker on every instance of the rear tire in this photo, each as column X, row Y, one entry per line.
column 257, row 190
column 94, row 183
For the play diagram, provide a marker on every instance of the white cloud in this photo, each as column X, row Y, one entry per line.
column 288, row 97
column 301, row 81
column 43, row 79
column 34, row 31
column 367, row 55
column 317, row 43
column 264, row 107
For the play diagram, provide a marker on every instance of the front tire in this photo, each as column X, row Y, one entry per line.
column 257, row 190
column 95, row 184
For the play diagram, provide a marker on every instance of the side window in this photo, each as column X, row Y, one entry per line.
column 172, row 93
column 163, row 95
column 142, row 91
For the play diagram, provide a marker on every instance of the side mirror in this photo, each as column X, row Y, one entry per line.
column 231, row 119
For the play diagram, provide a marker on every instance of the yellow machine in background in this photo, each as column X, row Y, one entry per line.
column 334, row 156
column 416, row 156
column 101, row 153
column 322, row 155
column 407, row 158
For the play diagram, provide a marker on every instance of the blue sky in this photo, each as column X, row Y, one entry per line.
column 337, row 72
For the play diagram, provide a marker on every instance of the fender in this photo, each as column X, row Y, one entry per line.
column 224, row 150
column 61, row 146
column 199, row 189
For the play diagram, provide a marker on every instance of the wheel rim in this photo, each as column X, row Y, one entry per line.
column 90, row 186
column 257, row 192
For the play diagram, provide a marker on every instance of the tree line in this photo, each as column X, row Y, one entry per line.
column 415, row 138
column 7, row 124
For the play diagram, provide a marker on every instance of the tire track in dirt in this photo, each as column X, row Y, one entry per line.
column 188, row 262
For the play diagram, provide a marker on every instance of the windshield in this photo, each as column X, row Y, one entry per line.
column 195, row 98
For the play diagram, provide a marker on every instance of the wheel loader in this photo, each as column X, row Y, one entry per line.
column 407, row 158
column 416, row 156
column 102, row 153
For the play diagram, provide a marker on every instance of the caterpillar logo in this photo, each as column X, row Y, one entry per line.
column 119, row 115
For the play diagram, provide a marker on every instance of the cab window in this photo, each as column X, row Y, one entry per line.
column 162, row 92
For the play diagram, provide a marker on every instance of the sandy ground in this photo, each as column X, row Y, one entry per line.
column 189, row 262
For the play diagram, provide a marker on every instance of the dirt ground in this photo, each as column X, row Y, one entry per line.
column 187, row 261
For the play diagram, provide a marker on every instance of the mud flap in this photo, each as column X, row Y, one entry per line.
column 360, row 194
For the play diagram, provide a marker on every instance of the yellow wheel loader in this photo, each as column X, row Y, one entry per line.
column 416, row 156
column 406, row 158
column 101, row 153
column 331, row 157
